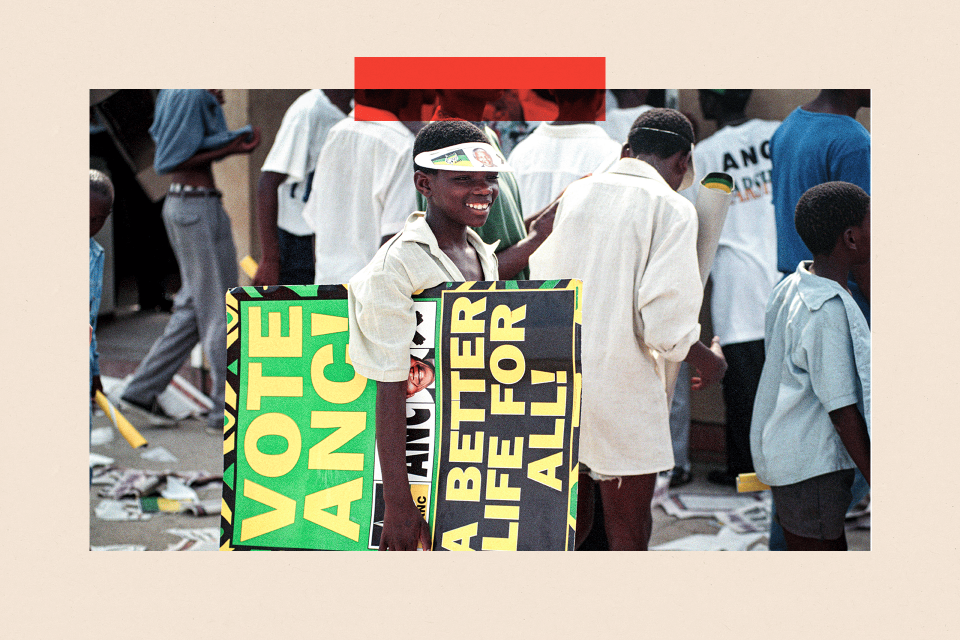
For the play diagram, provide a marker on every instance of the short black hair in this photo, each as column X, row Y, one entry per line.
column 825, row 211
column 100, row 184
column 445, row 133
column 568, row 96
column 730, row 100
column 661, row 132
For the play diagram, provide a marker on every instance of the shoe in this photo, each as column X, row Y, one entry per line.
column 152, row 414
column 722, row 478
column 679, row 477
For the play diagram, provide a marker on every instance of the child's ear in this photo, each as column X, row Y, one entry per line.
column 850, row 238
column 423, row 183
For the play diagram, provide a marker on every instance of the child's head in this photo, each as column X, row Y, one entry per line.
column 719, row 103
column 443, row 134
column 660, row 132
column 462, row 190
column 832, row 216
column 664, row 138
column 101, row 200
column 578, row 104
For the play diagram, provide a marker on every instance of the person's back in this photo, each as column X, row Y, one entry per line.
column 361, row 192
column 555, row 155
column 286, row 240
column 632, row 240
column 810, row 148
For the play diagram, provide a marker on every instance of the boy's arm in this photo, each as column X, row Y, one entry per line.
column 268, row 272
column 708, row 361
column 403, row 525
column 512, row 260
column 240, row 144
column 852, row 429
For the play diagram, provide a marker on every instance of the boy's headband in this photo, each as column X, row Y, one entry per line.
column 673, row 133
column 466, row 156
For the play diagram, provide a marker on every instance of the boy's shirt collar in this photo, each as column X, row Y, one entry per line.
column 813, row 289
column 634, row 167
column 417, row 230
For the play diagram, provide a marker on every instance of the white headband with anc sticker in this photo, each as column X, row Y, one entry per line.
column 466, row 156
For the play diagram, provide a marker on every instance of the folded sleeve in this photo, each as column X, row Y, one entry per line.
column 382, row 323
column 290, row 151
column 670, row 291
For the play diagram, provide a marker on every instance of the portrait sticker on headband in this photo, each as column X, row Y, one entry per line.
column 468, row 156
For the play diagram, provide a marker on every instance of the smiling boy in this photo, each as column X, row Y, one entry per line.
column 435, row 246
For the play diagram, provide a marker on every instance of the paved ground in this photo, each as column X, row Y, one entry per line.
column 126, row 338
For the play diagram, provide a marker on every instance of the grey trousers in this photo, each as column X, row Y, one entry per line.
column 680, row 419
column 202, row 241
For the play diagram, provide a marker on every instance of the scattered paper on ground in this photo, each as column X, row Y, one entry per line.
column 180, row 399
column 120, row 510
column 98, row 460
column 661, row 491
column 100, row 436
column 207, row 539
column 696, row 505
column 726, row 540
column 177, row 490
column 120, row 547
column 193, row 507
column 120, row 482
column 752, row 518
column 159, row 454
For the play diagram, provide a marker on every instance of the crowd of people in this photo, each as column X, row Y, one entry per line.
column 583, row 184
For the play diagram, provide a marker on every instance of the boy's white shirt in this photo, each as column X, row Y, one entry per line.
column 632, row 240
column 380, row 296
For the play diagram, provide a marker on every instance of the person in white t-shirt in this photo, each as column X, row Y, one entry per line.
column 625, row 106
column 361, row 193
column 560, row 152
column 745, row 268
column 286, row 240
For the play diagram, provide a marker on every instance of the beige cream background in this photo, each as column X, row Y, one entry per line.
column 54, row 588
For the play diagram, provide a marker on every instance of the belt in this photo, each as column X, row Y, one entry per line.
column 189, row 191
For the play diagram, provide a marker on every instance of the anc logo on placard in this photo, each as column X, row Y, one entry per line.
column 456, row 158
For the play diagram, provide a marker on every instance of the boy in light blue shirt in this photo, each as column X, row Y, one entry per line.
column 811, row 420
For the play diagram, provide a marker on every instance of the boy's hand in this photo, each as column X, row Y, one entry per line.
column 710, row 364
column 268, row 273
column 403, row 528
column 245, row 143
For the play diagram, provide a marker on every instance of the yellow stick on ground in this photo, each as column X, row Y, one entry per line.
column 249, row 266
column 129, row 433
column 747, row 482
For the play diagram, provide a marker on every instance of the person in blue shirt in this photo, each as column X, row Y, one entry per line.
column 101, row 205
column 811, row 420
column 818, row 142
column 191, row 133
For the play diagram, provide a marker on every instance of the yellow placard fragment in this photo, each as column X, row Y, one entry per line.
column 747, row 482
column 249, row 266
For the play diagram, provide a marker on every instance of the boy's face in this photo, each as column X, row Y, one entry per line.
column 462, row 196
column 100, row 207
